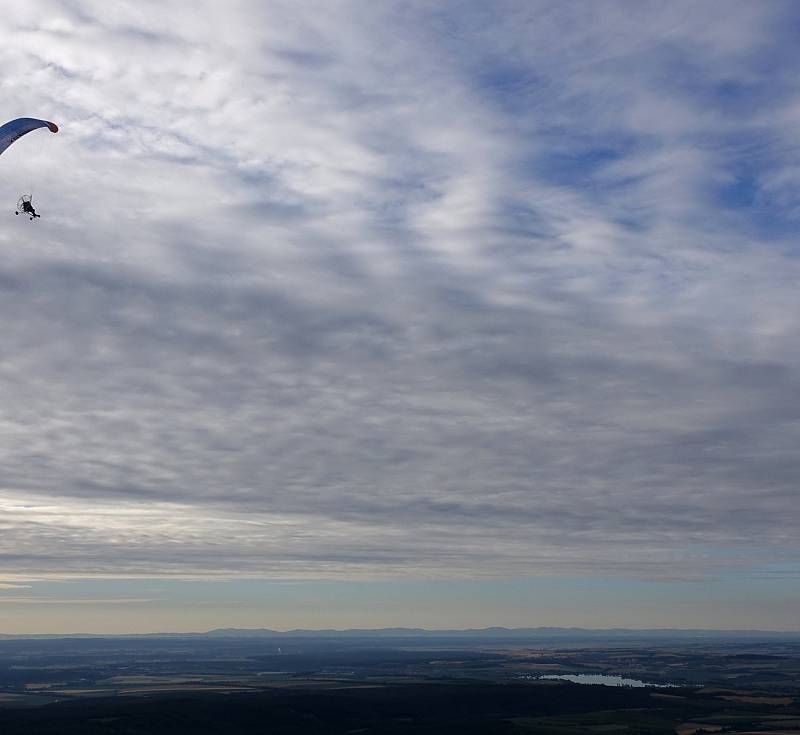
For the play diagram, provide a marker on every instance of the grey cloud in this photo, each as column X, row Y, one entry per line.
column 319, row 320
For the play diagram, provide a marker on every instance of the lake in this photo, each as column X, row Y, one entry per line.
column 605, row 680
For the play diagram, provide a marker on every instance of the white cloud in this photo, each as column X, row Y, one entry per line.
column 382, row 290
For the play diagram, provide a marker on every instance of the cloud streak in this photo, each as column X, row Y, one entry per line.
column 379, row 290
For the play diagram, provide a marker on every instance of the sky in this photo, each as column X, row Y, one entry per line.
column 363, row 314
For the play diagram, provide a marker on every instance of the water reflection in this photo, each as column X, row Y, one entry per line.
column 604, row 679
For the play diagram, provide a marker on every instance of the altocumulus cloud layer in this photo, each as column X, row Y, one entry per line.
column 401, row 289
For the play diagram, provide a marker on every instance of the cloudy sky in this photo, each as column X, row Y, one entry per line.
column 369, row 313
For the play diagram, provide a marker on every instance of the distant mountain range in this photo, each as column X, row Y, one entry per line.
column 499, row 632
column 493, row 633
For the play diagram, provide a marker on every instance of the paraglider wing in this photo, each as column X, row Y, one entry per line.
column 15, row 129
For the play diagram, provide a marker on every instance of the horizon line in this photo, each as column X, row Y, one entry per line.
column 402, row 629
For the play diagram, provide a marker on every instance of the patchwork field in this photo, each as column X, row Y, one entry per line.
column 128, row 687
